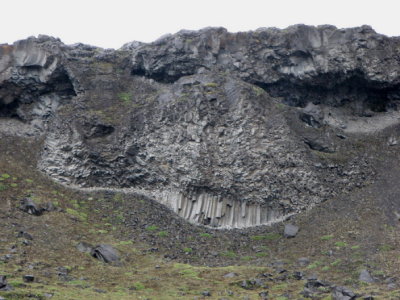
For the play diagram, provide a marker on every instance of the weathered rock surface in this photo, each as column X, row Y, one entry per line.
column 4, row 286
column 290, row 230
column 343, row 293
column 365, row 276
column 226, row 129
column 105, row 253
column 30, row 207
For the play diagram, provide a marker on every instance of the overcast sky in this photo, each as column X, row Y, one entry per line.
column 110, row 24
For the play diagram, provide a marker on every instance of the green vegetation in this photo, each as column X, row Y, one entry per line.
column 258, row 91
column 125, row 97
column 138, row 286
column 340, row 244
column 280, row 106
column 3, row 187
column 246, row 258
column 187, row 250
column 327, row 237
column 336, row 262
column 211, row 85
column 162, row 233
column 326, row 268
column 229, row 254
column 205, row 235
column 269, row 236
column 385, row 247
column 80, row 215
column 261, row 254
column 152, row 228
column 314, row 265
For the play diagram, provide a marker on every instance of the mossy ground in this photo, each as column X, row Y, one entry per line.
column 156, row 262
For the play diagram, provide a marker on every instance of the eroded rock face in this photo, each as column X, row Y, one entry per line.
column 200, row 121
column 33, row 82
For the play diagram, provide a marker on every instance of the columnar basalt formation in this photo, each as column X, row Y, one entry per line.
column 226, row 129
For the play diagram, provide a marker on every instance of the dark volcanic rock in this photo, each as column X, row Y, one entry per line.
column 30, row 207
column 290, row 230
column 28, row 278
column 105, row 253
column 3, row 284
column 365, row 276
column 25, row 235
column 303, row 261
column 343, row 293
column 226, row 129
column 252, row 284
column 84, row 247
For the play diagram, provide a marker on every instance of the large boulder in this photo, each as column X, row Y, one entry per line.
column 30, row 207
column 4, row 286
column 105, row 253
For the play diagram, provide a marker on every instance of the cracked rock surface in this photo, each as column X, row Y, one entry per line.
column 226, row 129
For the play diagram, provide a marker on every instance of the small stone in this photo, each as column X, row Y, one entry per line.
column 307, row 293
column 84, row 247
column 48, row 295
column 49, row 206
column 206, row 294
column 290, row 230
column 230, row 275
column 26, row 242
column 99, row 291
column 365, row 276
column 25, row 235
column 392, row 141
column 303, row 261
column 315, row 283
column 312, row 115
column 298, row 275
column 3, row 282
column 312, row 277
column 391, row 286
column 263, row 295
column 28, row 278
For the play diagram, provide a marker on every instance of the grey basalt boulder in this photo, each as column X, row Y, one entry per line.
column 105, row 253
column 290, row 230
column 343, row 293
column 4, row 286
column 365, row 276
column 30, row 207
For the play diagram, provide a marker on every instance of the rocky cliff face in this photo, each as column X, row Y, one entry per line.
column 226, row 129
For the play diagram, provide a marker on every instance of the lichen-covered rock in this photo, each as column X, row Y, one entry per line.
column 226, row 129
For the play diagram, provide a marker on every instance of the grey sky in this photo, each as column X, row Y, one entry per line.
column 110, row 24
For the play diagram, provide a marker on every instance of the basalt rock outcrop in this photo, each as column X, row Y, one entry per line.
column 226, row 129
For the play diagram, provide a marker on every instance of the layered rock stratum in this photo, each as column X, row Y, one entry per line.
column 226, row 129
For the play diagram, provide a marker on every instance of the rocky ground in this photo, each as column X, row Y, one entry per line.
column 161, row 256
